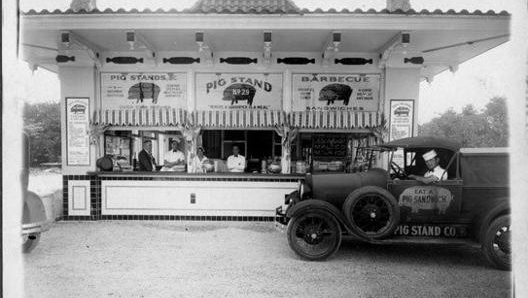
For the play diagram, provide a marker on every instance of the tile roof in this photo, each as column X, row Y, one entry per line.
column 274, row 7
column 271, row 6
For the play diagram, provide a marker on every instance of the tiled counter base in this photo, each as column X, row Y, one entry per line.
column 171, row 196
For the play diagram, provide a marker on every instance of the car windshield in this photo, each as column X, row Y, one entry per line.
column 366, row 158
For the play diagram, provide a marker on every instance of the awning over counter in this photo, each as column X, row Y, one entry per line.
column 237, row 118
column 335, row 119
column 141, row 117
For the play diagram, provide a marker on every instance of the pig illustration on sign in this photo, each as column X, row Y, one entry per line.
column 144, row 90
column 237, row 92
column 426, row 198
column 331, row 93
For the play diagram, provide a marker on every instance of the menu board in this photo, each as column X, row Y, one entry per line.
column 225, row 91
column 401, row 119
column 332, row 92
column 329, row 146
column 77, row 127
column 400, row 124
column 131, row 90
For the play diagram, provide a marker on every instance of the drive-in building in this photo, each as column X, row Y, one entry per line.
column 278, row 81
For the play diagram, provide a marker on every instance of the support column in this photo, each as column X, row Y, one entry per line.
column 402, row 84
column 76, row 82
column 78, row 197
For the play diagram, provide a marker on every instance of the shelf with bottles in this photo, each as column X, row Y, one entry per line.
column 117, row 146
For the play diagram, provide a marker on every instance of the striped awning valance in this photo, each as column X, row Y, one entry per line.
column 156, row 116
column 334, row 119
column 239, row 118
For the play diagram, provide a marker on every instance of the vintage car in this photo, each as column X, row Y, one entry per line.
column 385, row 206
column 34, row 220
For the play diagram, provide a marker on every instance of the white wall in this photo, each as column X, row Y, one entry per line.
column 214, row 198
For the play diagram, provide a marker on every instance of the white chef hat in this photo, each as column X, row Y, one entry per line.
column 429, row 155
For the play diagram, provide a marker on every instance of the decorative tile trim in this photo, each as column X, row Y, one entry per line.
column 200, row 178
column 174, row 218
column 224, row 10
column 65, row 179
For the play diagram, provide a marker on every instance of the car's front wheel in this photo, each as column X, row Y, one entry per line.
column 314, row 235
column 496, row 244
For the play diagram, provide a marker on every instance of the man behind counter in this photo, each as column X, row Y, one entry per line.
column 145, row 159
column 173, row 157
column 236, row 163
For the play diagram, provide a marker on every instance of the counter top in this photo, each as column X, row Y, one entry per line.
column 199, row 176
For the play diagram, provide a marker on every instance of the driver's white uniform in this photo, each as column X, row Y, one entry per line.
column 438, row 172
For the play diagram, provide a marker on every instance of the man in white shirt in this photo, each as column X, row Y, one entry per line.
column 236, row 163
column 435, row 173
column 173, row 157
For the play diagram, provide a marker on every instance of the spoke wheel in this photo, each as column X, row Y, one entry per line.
column 497, row 243
column 29, row 242
column 315, row 235
column 372, row 212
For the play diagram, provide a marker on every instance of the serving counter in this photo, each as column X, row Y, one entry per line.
column 173, row 196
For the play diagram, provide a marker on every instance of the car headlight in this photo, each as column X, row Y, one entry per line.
column 301, row 189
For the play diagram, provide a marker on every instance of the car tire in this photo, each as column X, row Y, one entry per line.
column 314, row 235
column 30, row 242
column 496, row 245
column 372, row 212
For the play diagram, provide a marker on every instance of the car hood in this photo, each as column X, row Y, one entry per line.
column 334, row 188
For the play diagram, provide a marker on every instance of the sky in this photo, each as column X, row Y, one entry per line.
column 475, row 82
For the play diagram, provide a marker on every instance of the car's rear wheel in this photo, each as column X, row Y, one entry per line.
column 496, row 245
column 372, row 212
column 315, row 235
column 29, row 242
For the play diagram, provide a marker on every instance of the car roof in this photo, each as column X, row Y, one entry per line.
column 487, row 150
column 422, row 142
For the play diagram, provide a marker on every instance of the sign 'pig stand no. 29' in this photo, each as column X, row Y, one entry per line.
column 291, row 92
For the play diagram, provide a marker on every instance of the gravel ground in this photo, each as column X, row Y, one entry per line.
column 233, row 259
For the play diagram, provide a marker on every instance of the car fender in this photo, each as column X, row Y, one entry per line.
column 308, row 205
column 488, row 215
column 33, row 210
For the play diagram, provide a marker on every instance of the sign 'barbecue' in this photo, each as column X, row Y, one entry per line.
column 335, row 92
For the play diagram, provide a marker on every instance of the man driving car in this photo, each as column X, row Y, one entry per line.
column 435, row 173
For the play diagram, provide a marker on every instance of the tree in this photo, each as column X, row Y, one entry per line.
column 488, row 128
column 42, row 124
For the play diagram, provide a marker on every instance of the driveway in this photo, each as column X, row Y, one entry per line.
column 234, row 259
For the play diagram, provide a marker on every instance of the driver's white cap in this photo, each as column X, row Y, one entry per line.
column 429, row 155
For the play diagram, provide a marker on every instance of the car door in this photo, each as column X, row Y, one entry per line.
column 436, row 202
